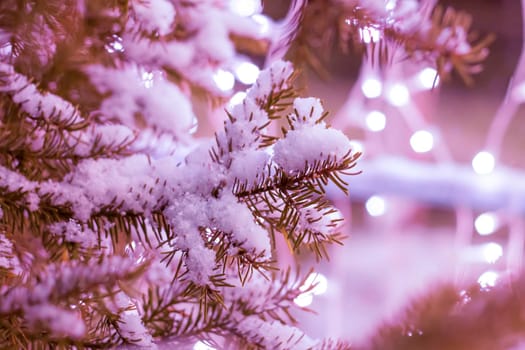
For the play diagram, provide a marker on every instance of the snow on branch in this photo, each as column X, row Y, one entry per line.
column 48, row 106
column 202, row 226
column 49, row 307
column 421, row 30
column 136, row 103
column 193, row 39
column 44, row 136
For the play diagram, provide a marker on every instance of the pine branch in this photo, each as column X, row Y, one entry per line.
column 441, row 36
column 269, row 301
column 44, row 136
column 173, row 314
column 92, row 226
column 331, row 344
column 280, row 199
column 26, row 309
column 478, row 317
column 312, row 179
column 176, row 315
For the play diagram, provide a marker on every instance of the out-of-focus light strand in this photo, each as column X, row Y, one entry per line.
column 422, row 141
column 372, row 88
column 315, row 284
column 376, row 206
column 224, row 80
column 398, row 95
column 369, row 35
column 428, row 78
column 492, row 252
column 488, row 279
column 375, row 121
column 483, row 163
column 247, row 72
column 486, row 224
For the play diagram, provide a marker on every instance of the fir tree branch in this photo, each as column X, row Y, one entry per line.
column 107, row 246
column 27, row 309
column 44, row 136
column 448, row 317
column 444, row 36
column 285, row 201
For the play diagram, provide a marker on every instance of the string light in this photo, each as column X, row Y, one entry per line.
column 147, row 79
column 483, row 163
column 398, row 95
column 422, row 141
column 376, row 206
column 247, row 72
column 245, row 8
column 194, row 125
column 318, row 281
column 304, row 299
column 372, row 88
column 428, row 78
column 486, row 223
column 375, row 121
column 488, row 279
column 315, row 284
column 492, row 252
column 357, row 146
column 224, row 80
column 237, row 98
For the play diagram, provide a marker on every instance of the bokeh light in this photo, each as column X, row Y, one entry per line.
column 247, row 72
column 375, row 121
column 483, row 163
column 428, row 78
column 372, row 88
column 375, row 206
column 492, row 252
column 398, row 95
column 488, row 279
column 486, row 223
column 422, row 141
column 224, row 80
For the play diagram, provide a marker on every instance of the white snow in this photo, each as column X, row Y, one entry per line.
column 133, row 330
column 272, row 78
column 47, row 105
column 72, row 232
column 161, row 106
column 154, row 15
column 8, row 260
column 275, row 335
column 308, row 109
column 56, row 319
column 308, row 145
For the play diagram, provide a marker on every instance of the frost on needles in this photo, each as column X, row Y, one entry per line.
column 130, row 248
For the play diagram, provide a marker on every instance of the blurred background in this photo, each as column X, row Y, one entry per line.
column 441, row 196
